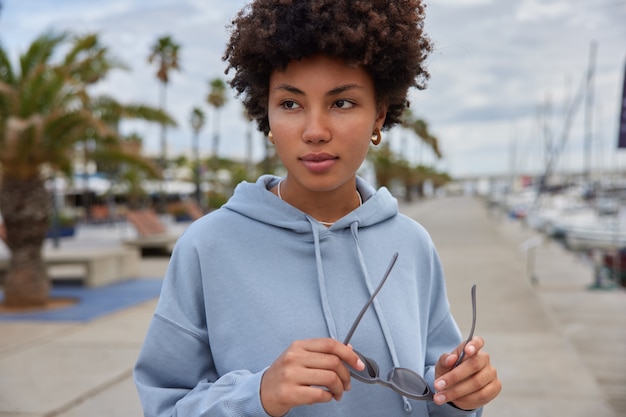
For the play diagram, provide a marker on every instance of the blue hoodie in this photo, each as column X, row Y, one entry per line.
column 247, row 280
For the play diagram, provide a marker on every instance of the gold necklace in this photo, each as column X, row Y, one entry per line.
column 327, row 224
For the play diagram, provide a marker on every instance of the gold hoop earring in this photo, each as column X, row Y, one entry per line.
column 376, row 136
column 270, row 136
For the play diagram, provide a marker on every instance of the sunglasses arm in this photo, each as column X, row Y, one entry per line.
column 369, row 302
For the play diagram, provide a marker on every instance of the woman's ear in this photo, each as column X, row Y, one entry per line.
column 381, row 115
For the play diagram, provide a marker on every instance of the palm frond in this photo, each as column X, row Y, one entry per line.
column 88, row 61
column 40, row 51
column 148, row 113
column 118, row 154
column 6, row 69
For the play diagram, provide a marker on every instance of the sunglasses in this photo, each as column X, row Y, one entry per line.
column 402, row 380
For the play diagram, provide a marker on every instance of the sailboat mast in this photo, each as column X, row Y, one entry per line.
column 589, row 113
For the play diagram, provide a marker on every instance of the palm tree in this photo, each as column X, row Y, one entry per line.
column 249, row 147
column 131, row 176
column 113, row 162
column 420, row 128
column 165, row 53
column 393, row 170
column 45, row 111
column 197, row 123
column 217, row 99
column 385, row 164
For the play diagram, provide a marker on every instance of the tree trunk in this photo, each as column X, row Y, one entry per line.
column 25, row 204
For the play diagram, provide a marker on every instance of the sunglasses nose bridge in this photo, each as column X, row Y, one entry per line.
column 401, row 380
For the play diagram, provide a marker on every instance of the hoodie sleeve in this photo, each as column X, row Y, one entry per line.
column 171, row 363
column 175, row 374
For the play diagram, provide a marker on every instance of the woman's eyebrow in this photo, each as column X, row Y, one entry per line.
column 333, row 92
column 343, row 88
column 289, row 88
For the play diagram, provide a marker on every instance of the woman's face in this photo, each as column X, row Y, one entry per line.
column 322, row 114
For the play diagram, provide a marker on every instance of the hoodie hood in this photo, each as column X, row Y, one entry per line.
column 254, row 201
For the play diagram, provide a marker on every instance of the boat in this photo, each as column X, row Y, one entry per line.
column 607, row 233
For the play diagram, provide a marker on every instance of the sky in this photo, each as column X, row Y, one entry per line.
column 503, row 74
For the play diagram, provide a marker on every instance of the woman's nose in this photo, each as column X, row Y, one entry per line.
column 317, row 129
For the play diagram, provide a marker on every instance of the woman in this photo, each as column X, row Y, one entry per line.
column 261, row 294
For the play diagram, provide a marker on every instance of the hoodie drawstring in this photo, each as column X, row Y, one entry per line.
column 354, row 228
column 321, row 281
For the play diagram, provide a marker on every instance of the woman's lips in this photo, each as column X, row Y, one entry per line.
column 318, row 162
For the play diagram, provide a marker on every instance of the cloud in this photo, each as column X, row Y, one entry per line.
column 538, row 10
column 464, row 3
column 494, row 64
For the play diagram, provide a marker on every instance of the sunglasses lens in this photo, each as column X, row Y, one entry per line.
column 409, row 382
column 369, row 373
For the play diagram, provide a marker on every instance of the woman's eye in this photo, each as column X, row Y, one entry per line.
column 343, row 104
column 290, row 105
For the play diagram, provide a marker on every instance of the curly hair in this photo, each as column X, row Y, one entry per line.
column 385, row 37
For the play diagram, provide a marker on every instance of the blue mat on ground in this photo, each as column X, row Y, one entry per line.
column 92, row 303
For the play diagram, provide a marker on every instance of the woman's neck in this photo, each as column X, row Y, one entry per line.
column 324, row 207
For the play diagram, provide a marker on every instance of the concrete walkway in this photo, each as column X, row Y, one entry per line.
column 559, row 347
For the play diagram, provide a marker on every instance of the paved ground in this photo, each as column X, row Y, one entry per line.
column 559, row 347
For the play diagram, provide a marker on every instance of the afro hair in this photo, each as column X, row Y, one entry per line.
column 384, row 37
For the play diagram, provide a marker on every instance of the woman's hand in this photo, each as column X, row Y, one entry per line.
column 470, row 385
column 309, row 371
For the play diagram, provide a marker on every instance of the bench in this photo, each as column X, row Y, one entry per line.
column 99, row 213
column 100, row 266
column 194, row 210
column 153, row 234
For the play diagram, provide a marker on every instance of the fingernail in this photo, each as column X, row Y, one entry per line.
column 441, row 384
column 360, row 365
column 440, row 398
column 471, row 349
